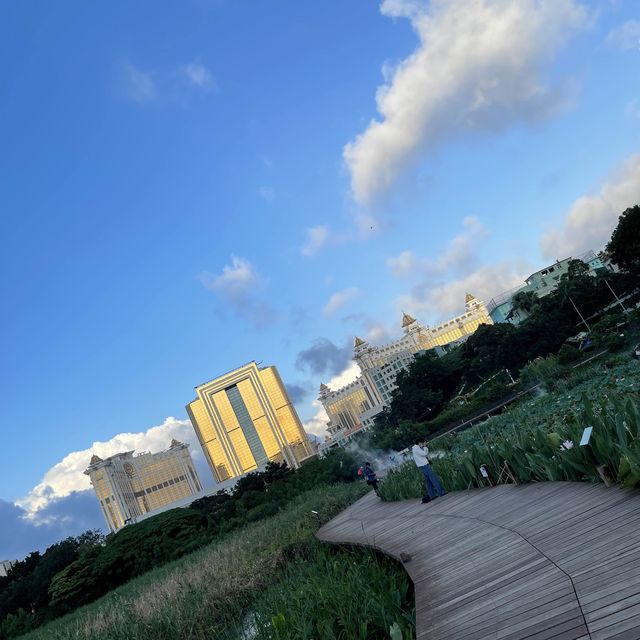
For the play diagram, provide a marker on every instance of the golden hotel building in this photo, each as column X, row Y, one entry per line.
column 244, row 420
column 132, row 487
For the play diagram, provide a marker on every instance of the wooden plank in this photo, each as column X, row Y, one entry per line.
column 528, row 561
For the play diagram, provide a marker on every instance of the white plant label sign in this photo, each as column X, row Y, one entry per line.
column 586, row 436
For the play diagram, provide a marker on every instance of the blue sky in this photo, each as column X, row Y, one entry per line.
column 185, row 188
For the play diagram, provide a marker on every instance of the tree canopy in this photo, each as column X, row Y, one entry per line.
column 624, row 246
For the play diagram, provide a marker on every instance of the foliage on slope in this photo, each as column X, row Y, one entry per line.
column 254, row 583
column 69, row 575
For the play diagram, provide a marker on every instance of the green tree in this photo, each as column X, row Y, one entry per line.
column 609, row 332
column 576, row 269
column 76, row 583
column 525, row 302
column 624, row 246
column 568, row 354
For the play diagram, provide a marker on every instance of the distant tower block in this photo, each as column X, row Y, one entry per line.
column 244, row 420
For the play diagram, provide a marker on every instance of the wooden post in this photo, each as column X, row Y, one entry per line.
column 605, row 475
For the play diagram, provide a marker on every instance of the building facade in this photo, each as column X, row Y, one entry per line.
column 542, row 283
column 346, row 405
column 356, row 405
column 132, row 487
column 244, row 420
column 5, row 565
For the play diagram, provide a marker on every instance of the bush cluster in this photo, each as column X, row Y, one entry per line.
column 77, row 571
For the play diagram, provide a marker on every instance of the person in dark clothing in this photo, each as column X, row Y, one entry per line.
column 370, row 476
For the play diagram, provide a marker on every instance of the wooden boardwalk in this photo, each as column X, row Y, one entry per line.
column 548, row 560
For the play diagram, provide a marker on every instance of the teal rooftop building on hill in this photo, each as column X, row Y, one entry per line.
column 542, row 283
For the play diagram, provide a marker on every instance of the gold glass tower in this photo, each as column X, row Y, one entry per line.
column 244, row 420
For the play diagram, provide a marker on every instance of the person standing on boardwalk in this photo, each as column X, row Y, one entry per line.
column 432, row 482
column 370, row 476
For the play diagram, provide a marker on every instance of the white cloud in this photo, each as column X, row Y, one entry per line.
column 316, row 239
column 625, row 37
column 458, row 257
column 67, row 476
column 22, row 533
column 235, row 279
column 632, row 110
column 344, row 377
column 198, row 75
column 404, row 264
column 480, row 65
column 591, row 219
column 317, row 425
column 443, row 281
column 267, row 193
column 238, row 286
column 137, row 85
column 377, row 334
column 339, row 299
column 446, row 299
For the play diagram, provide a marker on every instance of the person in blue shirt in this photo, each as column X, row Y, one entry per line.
column 370, row 476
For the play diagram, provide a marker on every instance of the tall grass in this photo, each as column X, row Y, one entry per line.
column 335, row 595
column 271, row 580
column 203, row 595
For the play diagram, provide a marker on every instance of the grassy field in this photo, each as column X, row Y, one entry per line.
column 530, row 437
column 271, row 579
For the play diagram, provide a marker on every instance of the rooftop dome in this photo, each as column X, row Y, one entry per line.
column 407, row 320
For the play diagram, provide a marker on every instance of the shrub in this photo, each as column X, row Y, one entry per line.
column 545, row 371
column 568, row 354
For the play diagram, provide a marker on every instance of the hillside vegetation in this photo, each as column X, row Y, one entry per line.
column 76, row 571
column 271, row 579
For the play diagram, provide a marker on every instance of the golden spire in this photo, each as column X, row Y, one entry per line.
column 358, row 342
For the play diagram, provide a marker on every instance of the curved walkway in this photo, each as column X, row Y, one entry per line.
column 549, row 560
